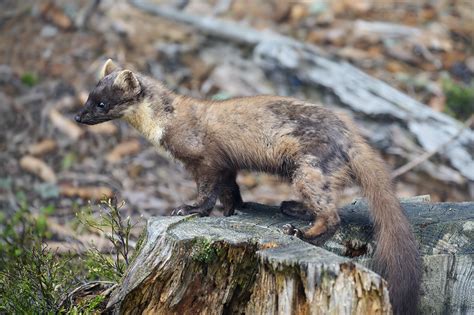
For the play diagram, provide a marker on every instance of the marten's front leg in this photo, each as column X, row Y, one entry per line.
column 208, row 187
column 230, row 197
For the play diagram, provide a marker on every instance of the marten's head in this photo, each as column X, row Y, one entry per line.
column 117, row 92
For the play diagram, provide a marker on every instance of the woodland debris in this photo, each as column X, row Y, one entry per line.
column 86, row 192
column 123, row 149
column 65, row 103
column 38, row 167
column 43, row 147
column 436, row 39
column 235, row 77
column 422, row 158
column 54, row 14
column 385, row 29
column 65, row 125
column 82, row 18
column 83, row 293
column 106, row 128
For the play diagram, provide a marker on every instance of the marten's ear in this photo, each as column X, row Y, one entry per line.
column 108, row 67
column 127, row 82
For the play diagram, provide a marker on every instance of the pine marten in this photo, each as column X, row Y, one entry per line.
column 315, row 149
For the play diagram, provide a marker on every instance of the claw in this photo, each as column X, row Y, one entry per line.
column 186, row 210
column 289, row 229
column 181, row 210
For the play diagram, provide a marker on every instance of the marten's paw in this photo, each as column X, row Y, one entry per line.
column 308, row 234
column 187, row 209
column 229, row 211
column 289, row 229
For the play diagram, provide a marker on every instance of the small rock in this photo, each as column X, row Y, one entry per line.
column 394, row 66
column 315, row 37
column 470, row 63
column 298, row 12
column 336, row 36
column 49, row 31
column 6, row 73
column 461, row 71
column 325, row 18
column 360, row 6
column 353, row 54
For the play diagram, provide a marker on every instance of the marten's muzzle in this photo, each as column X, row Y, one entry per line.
column 78, row 118
column 85, row 116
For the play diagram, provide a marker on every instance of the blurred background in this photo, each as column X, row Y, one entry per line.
column 51, row 52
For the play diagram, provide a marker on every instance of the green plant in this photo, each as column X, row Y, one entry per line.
column 88, row 306
column 204, row 251
column 32, row 277
column 19, row 229
column 101, row 266
column 117, row 230
column 459, row 99
column 30, row 79
column 93, row 303
column 34, row 281
column 68, row 160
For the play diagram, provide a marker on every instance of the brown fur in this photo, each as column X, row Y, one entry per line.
column 396, row 257
column 310, row 146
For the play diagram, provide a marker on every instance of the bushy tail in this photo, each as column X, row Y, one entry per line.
column 396, row 257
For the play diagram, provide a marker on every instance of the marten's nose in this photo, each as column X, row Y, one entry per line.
column 78, row 118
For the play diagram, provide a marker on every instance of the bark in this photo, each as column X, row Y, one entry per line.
column 245, row 264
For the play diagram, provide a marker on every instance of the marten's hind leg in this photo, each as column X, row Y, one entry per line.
column 319, row 198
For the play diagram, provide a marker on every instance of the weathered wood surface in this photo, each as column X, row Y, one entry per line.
column 404, row 127
column 244, row 263
column 445, row 232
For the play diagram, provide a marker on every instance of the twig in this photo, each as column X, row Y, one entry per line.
column 68, row 298
column 427, row 155
column 84, row 15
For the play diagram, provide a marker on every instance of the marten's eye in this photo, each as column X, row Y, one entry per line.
column 101, row 105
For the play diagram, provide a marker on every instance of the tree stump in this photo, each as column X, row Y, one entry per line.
column 245, row 264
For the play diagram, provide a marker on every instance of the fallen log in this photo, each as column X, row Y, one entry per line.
column 245, row 264
column 395, row 123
